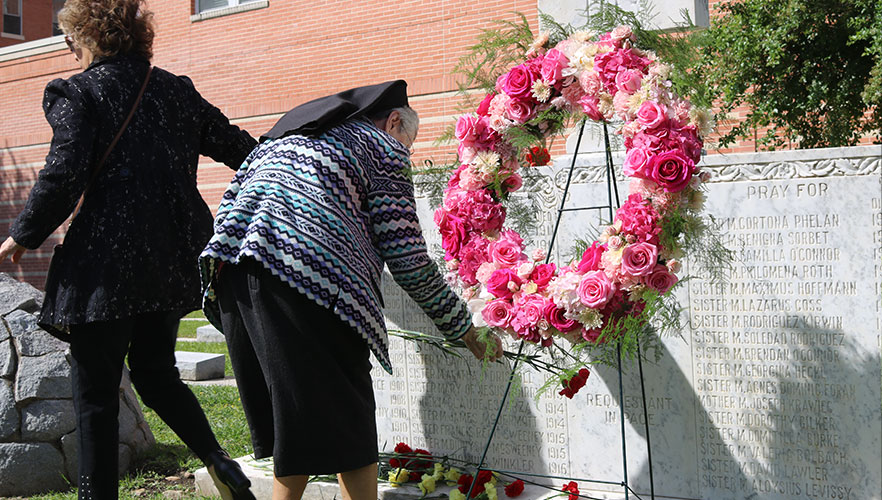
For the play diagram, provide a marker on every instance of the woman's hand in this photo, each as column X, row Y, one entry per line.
column 479, row 348
column 11, row 249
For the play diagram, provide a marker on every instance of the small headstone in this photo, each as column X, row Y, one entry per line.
column 199, row 365
column 7, row 359
column 9, row 419
column 47, row 420
column 29, row 467
column 45, row 377
column 209, row 333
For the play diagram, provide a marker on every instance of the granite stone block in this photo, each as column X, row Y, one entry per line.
column 199, row 365
column 47, row 420
column 30, row 468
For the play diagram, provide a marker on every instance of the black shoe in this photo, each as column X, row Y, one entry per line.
column 231, row 482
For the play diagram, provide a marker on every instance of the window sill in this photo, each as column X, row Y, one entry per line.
column 12, row 35
column 210, row 14
column 32, row 48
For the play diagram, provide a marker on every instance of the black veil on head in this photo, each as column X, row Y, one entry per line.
column 320, row 115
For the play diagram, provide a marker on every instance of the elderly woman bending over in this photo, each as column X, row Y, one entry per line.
column 301, row 238
column 129, row 136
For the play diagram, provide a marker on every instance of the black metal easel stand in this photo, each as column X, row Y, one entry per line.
column 612, row 195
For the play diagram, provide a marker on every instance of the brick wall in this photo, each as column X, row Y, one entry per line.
column 255, row 65
column 36, row 20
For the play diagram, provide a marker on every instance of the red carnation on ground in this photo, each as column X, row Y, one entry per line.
column 572, row 386
column 514, row 489
column 465, row 481
column 415, row 476
column 538, row 156
column 573, row 489
column 403, row 449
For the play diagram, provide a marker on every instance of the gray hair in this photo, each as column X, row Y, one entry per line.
column 410, row 120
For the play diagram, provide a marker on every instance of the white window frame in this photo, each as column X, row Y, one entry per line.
column 230, row 4
column 232, row 7
column 20, row 16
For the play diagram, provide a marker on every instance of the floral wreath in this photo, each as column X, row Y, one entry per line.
column 637, row 258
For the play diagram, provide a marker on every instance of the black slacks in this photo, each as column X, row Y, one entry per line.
column 98, row 351
column 303, row 375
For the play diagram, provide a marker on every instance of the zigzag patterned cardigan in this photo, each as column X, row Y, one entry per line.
column 324, row 214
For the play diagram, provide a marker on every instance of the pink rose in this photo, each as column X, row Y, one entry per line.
column 590, row 105
column 590, row 82
column 542, row 274
column 552, row 65
column 635, row 163
column 629, row 80
column 506, row 252
column 639, row 259
column 595, row 289
column 500, row 82
column 620, row 34
column 498, row 284
column 484, row 107
column 497, row 313
column 520, row 110
column 555, row 316
column 519, row 82
column 453, row 232
column 512, row 183
column 672, row 170
column 591, row 258
column 660, row 279
column 465, row 129
column 651, row 114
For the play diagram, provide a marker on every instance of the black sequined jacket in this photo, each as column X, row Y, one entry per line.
column 133, row 247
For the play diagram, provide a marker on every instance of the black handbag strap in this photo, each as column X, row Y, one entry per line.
column 119, row 134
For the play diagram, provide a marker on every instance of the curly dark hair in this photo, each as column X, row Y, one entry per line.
column 109, row 27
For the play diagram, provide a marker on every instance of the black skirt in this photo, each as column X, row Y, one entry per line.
column 303, row 375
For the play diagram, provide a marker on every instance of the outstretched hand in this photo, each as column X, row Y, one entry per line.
column 479, row 348
column 11, row 249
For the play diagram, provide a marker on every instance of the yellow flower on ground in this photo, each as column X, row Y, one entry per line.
column 455, row 494
column 398, row 476
column 439, row 472
column 490, row 489
column 427, row 485
column 452, row 475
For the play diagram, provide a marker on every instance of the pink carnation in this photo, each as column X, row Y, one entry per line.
column 596, row 289
column 639, row 259
column 660, row 279
column 471, row 256
column 572, row 93
column 480, row 209
column 527, row 316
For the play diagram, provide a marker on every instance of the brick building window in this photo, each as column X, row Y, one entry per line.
column 12, row 17
column 56, row 6
column 205, row 5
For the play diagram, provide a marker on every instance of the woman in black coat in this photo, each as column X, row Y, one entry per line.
column 128, row 270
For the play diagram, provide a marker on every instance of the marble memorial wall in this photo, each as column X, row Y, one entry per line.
column 773, row 389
